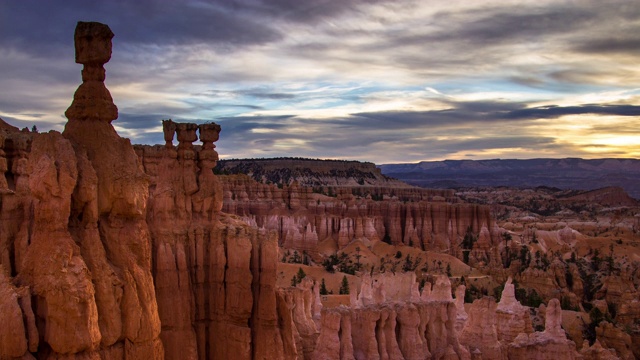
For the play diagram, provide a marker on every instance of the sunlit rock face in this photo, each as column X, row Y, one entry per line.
column 113, row 253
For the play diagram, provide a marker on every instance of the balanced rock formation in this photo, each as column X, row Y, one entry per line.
column 214, row 274
column 73, row 234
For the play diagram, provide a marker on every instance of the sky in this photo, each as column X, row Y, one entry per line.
column 380, row 81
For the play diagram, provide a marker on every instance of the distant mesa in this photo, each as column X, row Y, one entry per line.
column 568, row 173
column 309, row 172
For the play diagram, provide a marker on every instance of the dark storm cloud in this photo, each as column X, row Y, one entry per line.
column 629, row 45
column 437, row 133
column 479, row 29
column 241, row 124
column 259, row 93
column 268, row 95
column 551, row 112
column 46, row 25
column 309, row 11
column 468, row 113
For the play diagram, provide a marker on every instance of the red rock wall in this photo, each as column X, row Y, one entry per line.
column 82, row 271
column 390, row 331
column 303, row 218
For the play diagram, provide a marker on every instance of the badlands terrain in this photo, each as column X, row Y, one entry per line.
column 577, row 246
column 115, row 251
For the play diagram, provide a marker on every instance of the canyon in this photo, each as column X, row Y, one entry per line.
column 110, row 250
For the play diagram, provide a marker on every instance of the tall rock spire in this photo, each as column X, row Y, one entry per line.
column 92, row 100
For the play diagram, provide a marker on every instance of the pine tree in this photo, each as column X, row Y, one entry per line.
column 301, row 275
column 297, row 278
column 323, row 288
column 344, row 288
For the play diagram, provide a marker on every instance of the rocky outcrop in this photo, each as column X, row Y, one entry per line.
column 461, row 315
column 215, row 275
column 504, row 331
column 597, row 352
column 512, row 318
column 552, row 343
column 13, row 342
column 401, row 330
column 612, row 337
column 297, row 321
column 480, row 333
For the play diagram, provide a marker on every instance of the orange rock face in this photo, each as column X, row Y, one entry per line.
column 96, row 254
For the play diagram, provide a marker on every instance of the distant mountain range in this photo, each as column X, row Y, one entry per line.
column 569, row 173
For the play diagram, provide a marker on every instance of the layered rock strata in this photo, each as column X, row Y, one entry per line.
column 390, row 330
column 303, row 219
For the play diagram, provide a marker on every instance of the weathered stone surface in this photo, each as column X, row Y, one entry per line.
column 392, row 330
column 461, row 313
column 612, row 337
column 13, row 342
column 328, row 347
column 597, row 352
column 480, row 333
column 512, row 318
column 550, row 344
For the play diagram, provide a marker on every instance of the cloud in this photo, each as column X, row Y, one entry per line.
column 260, row 93
column 374, row 80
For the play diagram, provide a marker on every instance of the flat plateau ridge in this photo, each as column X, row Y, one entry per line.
column 568, row 173
column 309, row 172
